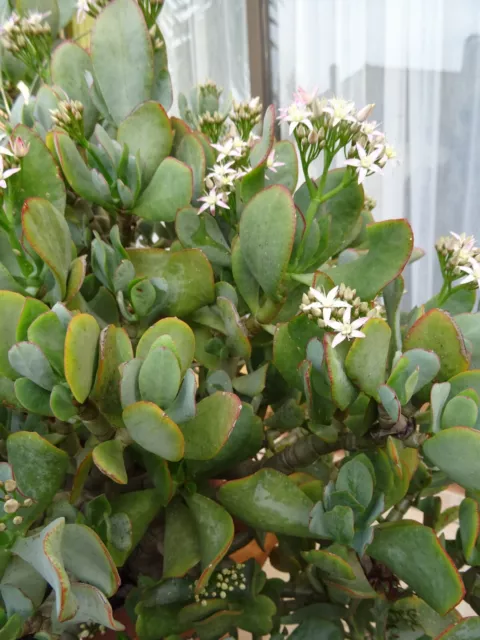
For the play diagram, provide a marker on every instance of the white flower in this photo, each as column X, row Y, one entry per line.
column 297, row 113
column 212, row 200
column 462, row 241
column 473, row 273
column 324, row 301
column 227, row 150
column 365, row 163
column 239, row 145
column 254, row 103
column 339, row 110
column 369, row 129
column 346, row 330
column 222, row 175
column 303, row 97
column 35, row 18
column 6, row 174
column 25, row 91
column 82, row 9
column 272, row 164
column 5, row 152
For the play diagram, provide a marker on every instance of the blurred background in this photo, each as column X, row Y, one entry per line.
column 418, row 60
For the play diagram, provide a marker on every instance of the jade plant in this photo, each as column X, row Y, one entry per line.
column 204, row 365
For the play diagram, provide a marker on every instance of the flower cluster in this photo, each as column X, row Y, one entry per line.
column 222, row 583
column 341, row 310
column 459, row 256
column 10, row 158
column 69, row 117
column 245, row 115
column 90, row 630
column 12, row 502
column 333, row 124
column 28, row 39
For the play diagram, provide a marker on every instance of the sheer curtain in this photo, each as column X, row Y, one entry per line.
column 207, row 39
column 419, row 61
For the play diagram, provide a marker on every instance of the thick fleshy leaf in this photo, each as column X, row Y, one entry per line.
column 129, row 389
column 81, row 344
column 244, row 441
column 390, row 246
column 207, row 432
column 469, row 517
column 188, row 275
column 215, row 530
column 202, row 232
column 426, row 362
column 251, row 384
column 43, row 550
column 48, row 234
column 38, row 466
column 78, row 270
column 86, row 557
column 269, row 501
column 153, row 430
column 466, row 629
column 122, row 58
column 160, row 377
column 437, row 332
column 460, row 411
column 114, row 349
column 356, row 478
column 190, row 151
column 147, row 131
column 78, row 175
column 93, row 607
column 32, row 308
column 260, row 151
column 29, row 361
column 38, row 161
column 290, row 347
column 438, row 398
column 180, row 333
column 108, row 458
column 69, row 64
column 469, row 324
column 287, row 175
column 415, row 555
column 333, row 562
column 62, row 403
column 33, row 398
column 343, row 391
column 22, row 588
column 456, row 451
column 267, row 229
column 237, row 340
column 366, row 360
column 11, row 304
column 170, row 189
column 181, row 543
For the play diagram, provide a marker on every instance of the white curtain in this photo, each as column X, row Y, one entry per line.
column 207, row 39
column 419, row 61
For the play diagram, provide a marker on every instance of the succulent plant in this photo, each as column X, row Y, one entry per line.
column 202, row 365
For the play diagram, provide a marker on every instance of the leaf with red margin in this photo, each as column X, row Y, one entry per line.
column 436, row 331
column 415, row 555
column 390, row 246
column 207, row 432
column 343, row 391
column 467, row 629
column 43, row 550
column 80, row 355
column 93, row 606
column 108, row 458
column 260, row 151
column 78, row 270
column 215, row 530
column 469, row 517
column 80, row 477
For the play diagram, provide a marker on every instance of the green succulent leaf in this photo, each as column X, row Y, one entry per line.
column 456, row 452
column 29, row 361
column 269, row 501
column 12, row 305
column 33, row 398
column 122, row 58
column 81, row 346
column 267, row 229
column 153, row 430
column 415, row 555
column 160, row 377
column 215, row 530
column 201, row 231
column 108, row 458
column 182, row 544
column 460, row 411
column 261, row 150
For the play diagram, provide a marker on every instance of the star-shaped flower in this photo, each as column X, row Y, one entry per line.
column 324, row 301
column 347, row 330
column 297, row 113
column 272, row 164
column 229, row 149
column 473, row 272
column 340, row 110
column 4, row 175
column 365, row 163
column 212, row 200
